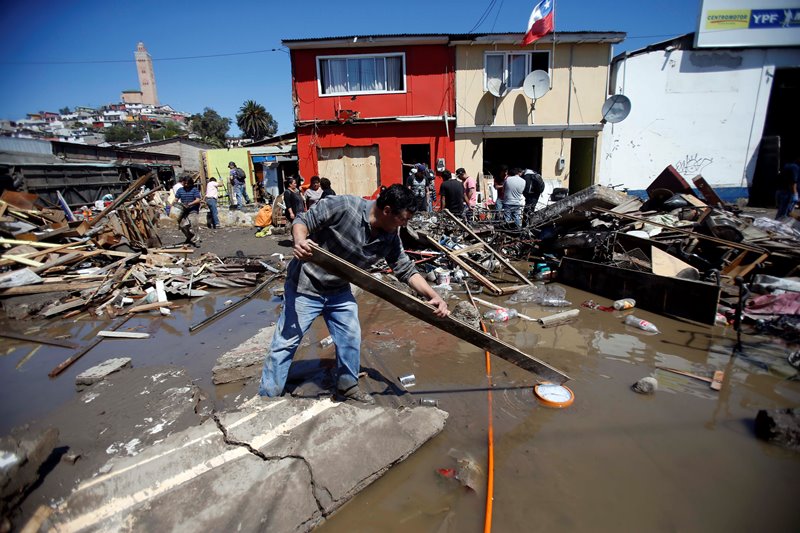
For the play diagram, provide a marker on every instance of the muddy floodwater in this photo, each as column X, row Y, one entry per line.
column 682, row 459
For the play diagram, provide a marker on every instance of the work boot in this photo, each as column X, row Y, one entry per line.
column 355, row 394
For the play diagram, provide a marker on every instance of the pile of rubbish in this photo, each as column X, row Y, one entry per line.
column 56, row 263
column 677, row 252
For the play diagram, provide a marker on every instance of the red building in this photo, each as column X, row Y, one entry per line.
column 366, row 108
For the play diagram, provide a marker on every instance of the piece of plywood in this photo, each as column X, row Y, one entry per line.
column 693, row 300
column 665, row 264
column 421, row 310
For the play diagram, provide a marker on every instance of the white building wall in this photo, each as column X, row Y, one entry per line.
column 702, row 112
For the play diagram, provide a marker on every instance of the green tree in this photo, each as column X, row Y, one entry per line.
column 255, row 121
column 119, row 134
column 167, row 130
column 210, row 126
column 64, row 111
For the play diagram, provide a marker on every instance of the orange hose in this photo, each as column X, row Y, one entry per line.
column 487, row 521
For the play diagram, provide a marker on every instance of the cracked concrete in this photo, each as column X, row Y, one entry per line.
column 280, row 464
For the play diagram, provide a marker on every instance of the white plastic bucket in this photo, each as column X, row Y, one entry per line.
column 442, row 276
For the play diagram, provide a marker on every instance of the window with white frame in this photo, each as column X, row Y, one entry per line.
column 361, row 74
column 507, row 70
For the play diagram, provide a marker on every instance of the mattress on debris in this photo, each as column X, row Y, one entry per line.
column 574, row 208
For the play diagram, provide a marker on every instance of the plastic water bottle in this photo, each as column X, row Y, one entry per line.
column 641, row 324
column 552, row 301
column 625, row 303
column 500, row 315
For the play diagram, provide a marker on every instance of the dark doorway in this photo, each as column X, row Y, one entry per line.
column 780, row 143
column 520, row 152
column 581, row 164
column 412, row 154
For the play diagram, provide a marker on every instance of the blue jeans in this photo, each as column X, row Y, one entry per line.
column 784, row 203
column 340, row 313
column 212, row 207
column 238, row 194
column 513, row 213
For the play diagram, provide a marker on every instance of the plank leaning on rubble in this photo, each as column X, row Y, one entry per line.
column 419, row 309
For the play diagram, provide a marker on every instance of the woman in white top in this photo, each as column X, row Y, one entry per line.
column 314, row 193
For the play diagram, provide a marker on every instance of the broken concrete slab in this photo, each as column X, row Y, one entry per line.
column 276, row 465
column 97, row 373
column 21, row 455
column 244, row 361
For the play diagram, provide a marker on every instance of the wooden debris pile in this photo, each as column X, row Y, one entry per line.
column 54, row 265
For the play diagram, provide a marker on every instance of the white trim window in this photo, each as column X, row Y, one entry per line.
column 361, row 74
column 510, row 68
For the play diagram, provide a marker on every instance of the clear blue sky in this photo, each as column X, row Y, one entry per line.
column 103, row 35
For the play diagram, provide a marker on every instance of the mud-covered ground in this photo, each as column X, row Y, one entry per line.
column 684, row 458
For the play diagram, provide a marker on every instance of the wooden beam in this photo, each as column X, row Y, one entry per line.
column 38, row 340
column 49, row 287
column 419, row 309
column 66, row 363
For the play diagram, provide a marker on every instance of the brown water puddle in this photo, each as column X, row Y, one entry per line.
column 683, row 459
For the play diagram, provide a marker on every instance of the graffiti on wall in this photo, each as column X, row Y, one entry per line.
column 692, row 165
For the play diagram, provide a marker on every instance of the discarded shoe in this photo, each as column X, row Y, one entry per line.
column 355, row 394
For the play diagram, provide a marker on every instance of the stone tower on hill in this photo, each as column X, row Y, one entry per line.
column 147, row 78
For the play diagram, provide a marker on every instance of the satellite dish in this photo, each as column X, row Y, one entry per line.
column 616, row 108
column 495, row 87
column 536, row 84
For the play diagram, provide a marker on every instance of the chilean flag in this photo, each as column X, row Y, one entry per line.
column 540, row 23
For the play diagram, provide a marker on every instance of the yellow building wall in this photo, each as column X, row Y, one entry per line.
column 475, row 106
column 217, row 165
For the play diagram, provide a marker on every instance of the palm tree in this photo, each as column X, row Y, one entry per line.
column 255, row 121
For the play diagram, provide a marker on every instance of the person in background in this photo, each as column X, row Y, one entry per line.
column 292, row 200
column 237, row 179
column 513, row 199
column 786, row 195
column 419, row 189
column 325, row 183
column 362, row 232
column 189, row 197
column 470, row 190
column 313, row 194
column 499, row 182
column 452, row 194
column 271, row 179
column 212, row 196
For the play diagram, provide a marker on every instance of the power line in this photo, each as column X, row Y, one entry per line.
column 483, row 16
column 98, row 61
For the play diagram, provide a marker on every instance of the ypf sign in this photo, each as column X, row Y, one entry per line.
column 740, row 23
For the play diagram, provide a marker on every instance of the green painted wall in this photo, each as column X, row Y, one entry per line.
column 217, row 164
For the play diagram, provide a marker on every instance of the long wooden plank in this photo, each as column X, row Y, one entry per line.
column 48, row 287
column 423, row 311
column 67, row 362
column 38, row 340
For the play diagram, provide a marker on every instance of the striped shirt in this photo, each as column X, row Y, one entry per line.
column 187, row 197
column 340, row 225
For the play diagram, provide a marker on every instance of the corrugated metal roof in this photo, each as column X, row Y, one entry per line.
column 585, row 36
column 25, row 146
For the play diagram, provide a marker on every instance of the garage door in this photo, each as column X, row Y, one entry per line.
column 351, row 169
